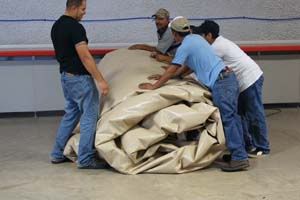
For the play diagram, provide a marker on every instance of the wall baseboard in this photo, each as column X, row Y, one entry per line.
column 282, row 105
column 32, row 114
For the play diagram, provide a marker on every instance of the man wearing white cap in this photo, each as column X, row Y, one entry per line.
column 210, row 70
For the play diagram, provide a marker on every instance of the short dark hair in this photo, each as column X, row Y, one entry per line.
column 182, row 34
column 196, row 30
column 193, row 28
column 209, row 26
column 76, row 3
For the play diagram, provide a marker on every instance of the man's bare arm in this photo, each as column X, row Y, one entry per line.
column 164, row 58
column 143, row 47
column 169, row 73
column 180, row 72
column 90, row 65
column 183, row 71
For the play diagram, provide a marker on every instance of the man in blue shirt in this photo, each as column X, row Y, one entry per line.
column 210, row 70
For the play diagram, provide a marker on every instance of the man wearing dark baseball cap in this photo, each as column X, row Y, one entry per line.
column 250, row 78
column 166, row 43
column 195, row 53
column 161, row 13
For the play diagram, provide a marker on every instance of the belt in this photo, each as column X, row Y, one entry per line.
column 69, row 74
column 224, row 72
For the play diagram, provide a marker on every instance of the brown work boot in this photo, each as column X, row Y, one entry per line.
column 235, row 165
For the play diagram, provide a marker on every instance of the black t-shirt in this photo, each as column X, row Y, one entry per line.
column 65, row 34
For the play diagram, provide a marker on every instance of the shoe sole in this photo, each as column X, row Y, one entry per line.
column 105, row 166
column 237, row 169
column 240, row 167
column 257, row 156
column 60, row 161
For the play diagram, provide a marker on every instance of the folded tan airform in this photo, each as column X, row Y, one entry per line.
column 173, row 129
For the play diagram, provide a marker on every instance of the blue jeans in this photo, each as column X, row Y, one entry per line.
column 225, row 96
column 251, row 110
column 82, row 104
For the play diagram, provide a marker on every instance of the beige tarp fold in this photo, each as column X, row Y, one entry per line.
column 173, row 129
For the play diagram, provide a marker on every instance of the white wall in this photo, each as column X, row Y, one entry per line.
column 144, row 30
column 35, row 86
column 28, row 86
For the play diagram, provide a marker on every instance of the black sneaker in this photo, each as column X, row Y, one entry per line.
column 95, row 165
column 59, row 160
column 255, row 153
column 235, row 165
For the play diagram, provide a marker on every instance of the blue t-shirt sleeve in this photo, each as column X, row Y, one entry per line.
column 180, row 56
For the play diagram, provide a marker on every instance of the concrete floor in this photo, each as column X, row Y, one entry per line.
column 25, row 171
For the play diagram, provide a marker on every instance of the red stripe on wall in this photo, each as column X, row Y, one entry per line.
column 247, row 49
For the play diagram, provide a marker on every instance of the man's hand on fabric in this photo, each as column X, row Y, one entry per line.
column 103, row 86
column 153, row 54
column 146, row 86
column 165, row 67
column 160, row 58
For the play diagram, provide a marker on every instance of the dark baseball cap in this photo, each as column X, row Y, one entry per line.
column 161, row 13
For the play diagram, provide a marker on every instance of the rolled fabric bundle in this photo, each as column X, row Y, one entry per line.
column 173, row 129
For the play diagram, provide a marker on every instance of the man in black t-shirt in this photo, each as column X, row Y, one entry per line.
column 78, row 71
